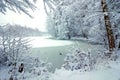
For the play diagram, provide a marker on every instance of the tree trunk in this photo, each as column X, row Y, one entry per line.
column 119, row 46
column 111, row 40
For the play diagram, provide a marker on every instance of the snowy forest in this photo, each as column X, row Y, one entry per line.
column 82, row 41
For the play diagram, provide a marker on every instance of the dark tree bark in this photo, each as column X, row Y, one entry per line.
column 110, row 35
column 119, row 45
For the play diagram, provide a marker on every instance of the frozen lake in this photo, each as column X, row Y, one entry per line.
column 45, row 41
column 49, row 49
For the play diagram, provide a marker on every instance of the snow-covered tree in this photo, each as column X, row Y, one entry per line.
column 114, row 15
column 17, row 5
column 12, row 44
column 81, row 18
column 73, row 18
column 59, row 24
column 51, row 26
column 60, row 21
column 109, row 31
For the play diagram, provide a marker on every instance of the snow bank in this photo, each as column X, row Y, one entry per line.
column 110, row 72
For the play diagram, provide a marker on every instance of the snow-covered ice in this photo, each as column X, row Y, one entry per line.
column 44, row 41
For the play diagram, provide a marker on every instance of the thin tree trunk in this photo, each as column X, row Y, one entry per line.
column 110, row 35
column 45, row 8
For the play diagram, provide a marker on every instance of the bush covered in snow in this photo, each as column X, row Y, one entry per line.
column 85, row 61
column 32, row 68
column 106, row 73
column 37, row 67
column 12, row 44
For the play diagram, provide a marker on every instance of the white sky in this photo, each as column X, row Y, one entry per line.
column 22, row 19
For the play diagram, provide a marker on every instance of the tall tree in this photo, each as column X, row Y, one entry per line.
column 110, row 34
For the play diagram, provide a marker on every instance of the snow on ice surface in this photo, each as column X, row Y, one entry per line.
column 44, row 41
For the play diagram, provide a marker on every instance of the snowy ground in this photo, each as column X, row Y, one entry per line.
column 109, row 72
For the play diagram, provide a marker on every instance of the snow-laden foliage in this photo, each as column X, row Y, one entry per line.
column 50, row 27
column 76, row 18
column 33, row 68
column 12, row 44
column 83, row 18
column 100, row 74
column 14, row 52
column 36, row 67
column 77, row 61
column 17, row 5
column 85, row 61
